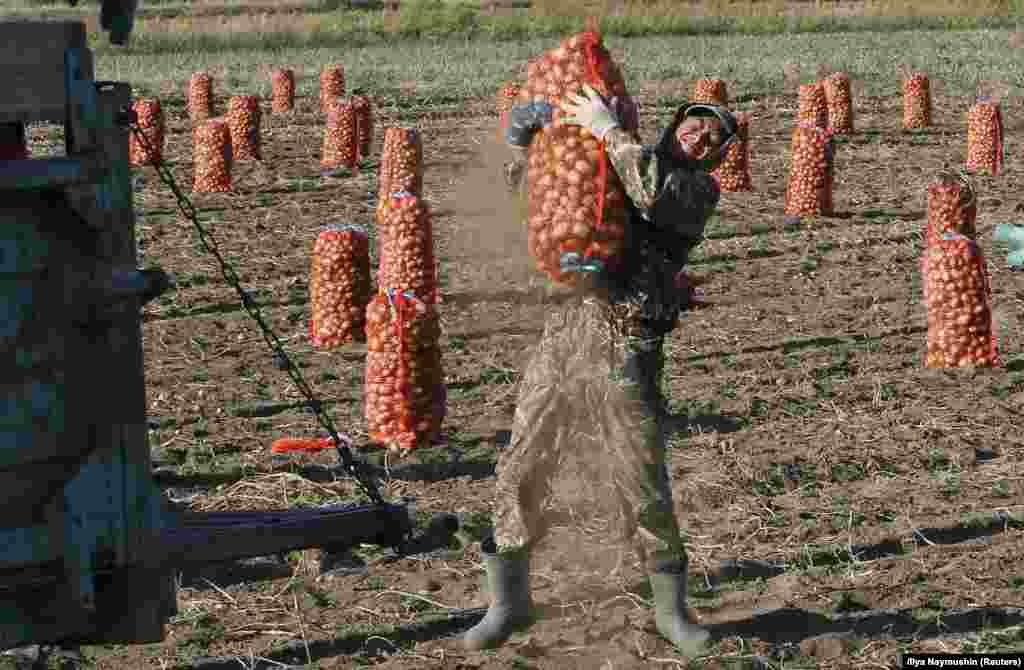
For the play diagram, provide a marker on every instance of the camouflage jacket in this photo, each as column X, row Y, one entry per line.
column 670, row 203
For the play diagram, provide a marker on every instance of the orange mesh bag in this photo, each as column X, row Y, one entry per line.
column 503, row 103
column 332, row 86
column 341, row 141
column 200, row 97
column 282, row 90
column 364, row 124
column 150, row 117
column 710, row 92
column 244, row 123
column 211, row 157
column 917, row 102
column 404, row 390
column 985, row 137
column 952, row 207
column 840, row 104
column 813, row 107
column 733, row 174
column 575, row 201
column 339, row 286
column 958, row 298
column 401, row 162
column 407, row 248
column 809, row 192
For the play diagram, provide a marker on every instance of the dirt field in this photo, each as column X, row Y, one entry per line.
column 842, row 503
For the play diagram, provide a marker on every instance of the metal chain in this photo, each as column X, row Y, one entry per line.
column 341, row 444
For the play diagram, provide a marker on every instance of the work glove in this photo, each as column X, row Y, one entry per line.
column 590, row 112
column 1013, row 237
column 515, row 169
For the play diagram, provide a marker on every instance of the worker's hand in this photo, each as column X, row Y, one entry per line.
column 591, row 112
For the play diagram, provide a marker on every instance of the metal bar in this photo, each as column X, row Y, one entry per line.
column 40, row 173
column 216, row 537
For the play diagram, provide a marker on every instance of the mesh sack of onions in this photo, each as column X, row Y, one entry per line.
column 244, row 122
column 985, row 137
column 575, row 201
column 341, row 142
column 282, row 90
column 733, row 174
column 13, row 141
column 332, row 86
column 710, row 92
column 840, row 105
column 339, row 286
column 200, row 97
column 407, row 261
column 503, row 103
column 958, row 300
column 150, row 117
column 813, row 107
column 917, row 102
column 401, row 162
column 952, row 207
column 364, row 124
column 809, row 192
column 404, row 390
column 211, row 157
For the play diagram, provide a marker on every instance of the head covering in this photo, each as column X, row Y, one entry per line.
column 664, row 147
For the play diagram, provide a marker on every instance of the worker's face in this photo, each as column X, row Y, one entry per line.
column 698, row 138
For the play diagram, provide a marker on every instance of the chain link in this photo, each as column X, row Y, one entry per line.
column 341, row 444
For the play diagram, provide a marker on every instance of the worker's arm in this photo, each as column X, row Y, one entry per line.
column 523, row 121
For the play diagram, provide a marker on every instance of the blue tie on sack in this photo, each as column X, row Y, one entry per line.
column 1012, row 236
column 575, row 262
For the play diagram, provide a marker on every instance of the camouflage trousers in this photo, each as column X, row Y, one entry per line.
column 590, row 392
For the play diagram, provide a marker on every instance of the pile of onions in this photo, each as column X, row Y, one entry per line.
column 809, row 192
column 957, row 296
column 211, row 157
column 339, row 286
column 151, row 122
column 332, row 86
column 200, row 97
column 917, row 102
column 985, row 137
column 575, row 201
column 840, row 103
column 733, row 174
column 503, row 103
column 401, row 162
column 710, row 92
column 244, row 122
column 341, row 141
column 404, row 389
column 813, row 106
column 282, row 90
column 407, row 247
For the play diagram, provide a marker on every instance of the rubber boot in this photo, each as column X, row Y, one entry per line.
column 668, row 583
column 508, row 576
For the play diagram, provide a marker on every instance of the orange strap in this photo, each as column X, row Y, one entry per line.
column 287, row 445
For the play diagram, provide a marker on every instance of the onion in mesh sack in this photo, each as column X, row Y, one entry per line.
column 339, row 286
column 733, row 174
column 200, row 97
column 957, row 297
column 282, row 90
column 332, row 86
column 809, row 192
column 211, row 157
column 839, row 101
column 405, row 395
column 985, row 137
column 151, row 123
column 575, row 201
column 244, row 123
column 407, row 262
column 917, row 101
column 710, row 92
